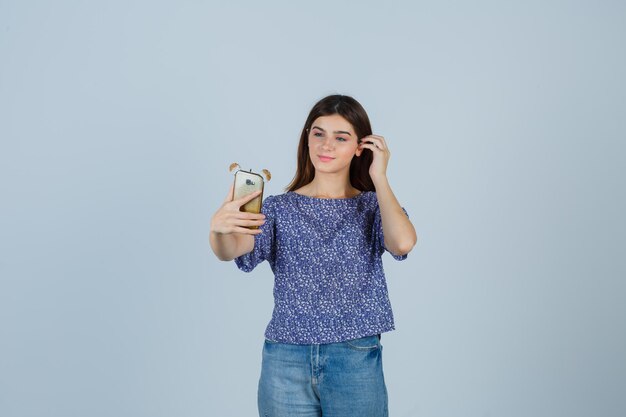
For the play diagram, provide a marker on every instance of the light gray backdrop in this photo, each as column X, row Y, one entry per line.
column 118, row 120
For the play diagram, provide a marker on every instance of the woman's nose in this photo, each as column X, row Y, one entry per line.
column 328, row 143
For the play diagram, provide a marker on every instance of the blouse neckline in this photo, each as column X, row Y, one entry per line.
column 327, row 199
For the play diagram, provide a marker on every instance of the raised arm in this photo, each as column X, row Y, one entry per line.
column 400, row 236
column 229, row 237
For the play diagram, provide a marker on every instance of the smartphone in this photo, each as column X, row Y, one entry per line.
column 247, row 182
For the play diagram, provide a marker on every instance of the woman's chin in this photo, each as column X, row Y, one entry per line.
column 329, row 170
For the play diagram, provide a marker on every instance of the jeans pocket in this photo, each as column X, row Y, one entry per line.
column 364, row 343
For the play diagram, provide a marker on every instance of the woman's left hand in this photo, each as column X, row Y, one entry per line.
column 378, row 146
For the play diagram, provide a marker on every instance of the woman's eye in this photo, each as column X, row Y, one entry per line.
column 341, row 139
column 317, row 134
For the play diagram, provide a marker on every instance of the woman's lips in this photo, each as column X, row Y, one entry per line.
column 324, row 158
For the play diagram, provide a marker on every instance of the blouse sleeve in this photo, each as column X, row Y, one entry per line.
column 378, row 233
column 263, row 242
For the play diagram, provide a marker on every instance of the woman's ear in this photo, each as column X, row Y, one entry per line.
column 359, row 150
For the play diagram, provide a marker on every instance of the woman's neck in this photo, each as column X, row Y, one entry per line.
column 328, row 186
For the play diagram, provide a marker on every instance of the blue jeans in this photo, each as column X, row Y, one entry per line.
column 332, row 380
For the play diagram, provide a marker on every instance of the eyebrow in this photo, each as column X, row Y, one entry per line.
column 336, row 131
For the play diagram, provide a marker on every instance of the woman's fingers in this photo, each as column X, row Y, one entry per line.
column 240, row 201
column 244, row 222
column 230, row 219
column 239, row 216
column 376, row 140
column 370, row 146
column 249, row 216
column 246, row 231
column 242, row 219
column 381, row 143
column 234, row 224
column 243, row 200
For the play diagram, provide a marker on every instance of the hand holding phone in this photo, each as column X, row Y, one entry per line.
column 230, row 218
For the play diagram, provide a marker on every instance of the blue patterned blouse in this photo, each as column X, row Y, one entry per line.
column 329, row 281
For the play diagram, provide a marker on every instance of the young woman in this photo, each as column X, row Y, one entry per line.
column 324, row 239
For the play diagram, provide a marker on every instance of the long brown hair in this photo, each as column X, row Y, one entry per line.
column 351, row 110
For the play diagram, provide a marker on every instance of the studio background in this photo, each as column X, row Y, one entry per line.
column 118, row 121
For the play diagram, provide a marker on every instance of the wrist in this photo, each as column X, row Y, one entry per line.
column 380, row 181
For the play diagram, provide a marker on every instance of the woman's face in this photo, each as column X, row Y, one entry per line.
column 332, row 144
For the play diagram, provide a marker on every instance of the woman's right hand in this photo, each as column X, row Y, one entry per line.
column 229, row 219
